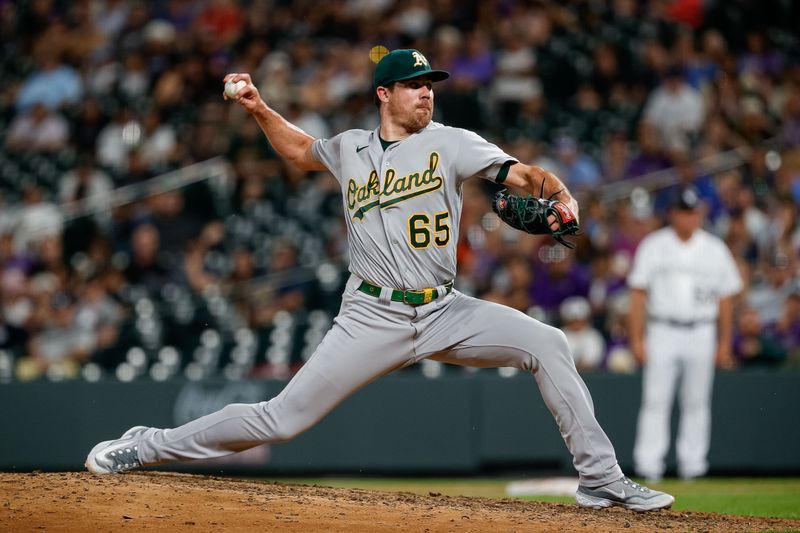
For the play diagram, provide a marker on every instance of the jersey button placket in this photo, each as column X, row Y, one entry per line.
column 388, row 216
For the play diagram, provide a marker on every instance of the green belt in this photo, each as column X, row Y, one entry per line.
column 408, row 297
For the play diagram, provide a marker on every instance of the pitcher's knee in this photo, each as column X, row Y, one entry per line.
column 284, row 433
column 554, row 348
column 544, row 345
column 560, row 342
column 279, row 425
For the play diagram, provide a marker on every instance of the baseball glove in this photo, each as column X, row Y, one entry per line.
column 530, row 214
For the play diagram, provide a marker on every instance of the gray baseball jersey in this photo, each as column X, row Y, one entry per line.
column 403, row 204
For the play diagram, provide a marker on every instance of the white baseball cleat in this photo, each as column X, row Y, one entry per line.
column 623, row 493
column 115, row 456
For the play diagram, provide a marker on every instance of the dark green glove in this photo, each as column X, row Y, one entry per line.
column 529, row 214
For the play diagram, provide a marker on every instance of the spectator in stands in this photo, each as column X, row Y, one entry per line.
column 49, row 262
column 38, row 131
column 17, row 306
column 676, row 110
column 475, row 66
column 308, row 120
column 701, row 70
column 534, row 120
column 136, row 171
column 790, row 132
column 754, row 346
column 510, row 284
column 159, row 144
column 655, row 62
column 175, row 222
column 37, row 220
column 289, row 281
column 578, row 170
column 132, row 36
column 619, row 356
column 54, row 84
column 782, row 231
column 737, row 236
column 12, row 338
column 616, row 158
column 134, row 79
column 558, row 278
column 718, row 137
column 586, row 343
column 690, row 173
column 88, row 184
column 770, row 291
column 651, row 157
column 247, row 144
column 220, row 22
column 760, row 58
column 87, row 125
column 146, row 268
column 787, row 328
column 631, row 223
column 97, row 313
column 60, row 347
column 607, row 280
column 606, row 70
column 116, row 139
column 515, row 80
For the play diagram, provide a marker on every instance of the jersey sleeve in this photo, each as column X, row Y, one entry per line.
column 639, row 277
column 329, row 153
column 478, row 157
column 730, row 281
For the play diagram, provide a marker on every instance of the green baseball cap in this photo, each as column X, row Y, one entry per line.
column 404, row 64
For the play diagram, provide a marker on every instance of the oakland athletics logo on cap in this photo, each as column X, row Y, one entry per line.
column 404, row 64
column 420, row 59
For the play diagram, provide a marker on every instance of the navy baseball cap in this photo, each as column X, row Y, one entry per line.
column 686, row 199
column 405, row 64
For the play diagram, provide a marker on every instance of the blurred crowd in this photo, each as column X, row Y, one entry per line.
column 244, row 278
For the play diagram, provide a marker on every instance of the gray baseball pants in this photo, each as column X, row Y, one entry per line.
column 372, row 337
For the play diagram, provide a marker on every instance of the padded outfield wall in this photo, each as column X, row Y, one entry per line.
column 399, row 424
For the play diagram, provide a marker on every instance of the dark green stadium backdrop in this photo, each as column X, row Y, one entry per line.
column 400, row 424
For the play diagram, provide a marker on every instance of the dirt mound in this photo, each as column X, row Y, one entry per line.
column 154, row 501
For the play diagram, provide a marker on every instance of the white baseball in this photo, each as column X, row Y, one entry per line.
column 231, row 88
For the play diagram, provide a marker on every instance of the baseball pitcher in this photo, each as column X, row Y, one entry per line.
column 401, row 189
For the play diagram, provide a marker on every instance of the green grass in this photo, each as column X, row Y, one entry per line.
column 771, row 497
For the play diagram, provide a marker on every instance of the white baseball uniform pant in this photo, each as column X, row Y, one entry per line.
column 372, row 337
column 676, row 353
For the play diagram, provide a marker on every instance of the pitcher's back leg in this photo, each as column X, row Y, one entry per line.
column 366, row 341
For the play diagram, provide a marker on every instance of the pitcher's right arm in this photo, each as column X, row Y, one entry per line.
column 291, row 143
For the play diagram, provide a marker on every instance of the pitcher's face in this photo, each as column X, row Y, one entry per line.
column 411, row 103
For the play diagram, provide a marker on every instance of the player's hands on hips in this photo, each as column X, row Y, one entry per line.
column 247, row 96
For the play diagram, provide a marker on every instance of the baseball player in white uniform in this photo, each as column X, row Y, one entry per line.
column 682, row 284
column 401, row 187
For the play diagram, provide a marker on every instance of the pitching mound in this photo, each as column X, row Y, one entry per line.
column 180, row 502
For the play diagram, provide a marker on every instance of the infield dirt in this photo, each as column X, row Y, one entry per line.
column 155, row 501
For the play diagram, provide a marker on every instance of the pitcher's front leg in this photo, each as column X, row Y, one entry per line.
column 478, row 333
